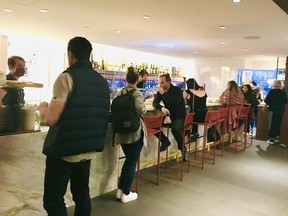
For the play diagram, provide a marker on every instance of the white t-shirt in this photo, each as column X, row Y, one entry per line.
column 61, row 91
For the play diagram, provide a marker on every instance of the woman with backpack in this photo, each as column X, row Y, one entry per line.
column 131, row 142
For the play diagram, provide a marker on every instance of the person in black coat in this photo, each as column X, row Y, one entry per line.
column 276, row 100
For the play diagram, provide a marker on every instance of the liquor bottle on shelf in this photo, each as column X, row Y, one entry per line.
column 102, row 64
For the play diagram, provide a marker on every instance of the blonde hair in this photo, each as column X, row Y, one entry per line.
column 233, row 88
column 277, row 84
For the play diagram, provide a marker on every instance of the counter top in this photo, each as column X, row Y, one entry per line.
column 19, row 84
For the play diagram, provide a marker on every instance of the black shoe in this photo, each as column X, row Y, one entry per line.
column 185, row 155
column 194, row 137
column 164, row 146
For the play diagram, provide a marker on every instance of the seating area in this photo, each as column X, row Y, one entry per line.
column 200, row 151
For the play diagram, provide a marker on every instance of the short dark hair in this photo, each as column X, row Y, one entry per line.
column 143, row 72
column 80, row 47
column 167, row 77
column 12, row 61
column 131, row 75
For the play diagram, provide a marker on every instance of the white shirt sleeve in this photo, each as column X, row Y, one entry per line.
column 62, row 87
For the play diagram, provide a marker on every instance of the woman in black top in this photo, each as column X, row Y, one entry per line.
column 196, row 99
column 250, row 98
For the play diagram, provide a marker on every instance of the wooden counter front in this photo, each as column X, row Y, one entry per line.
column 262, row 132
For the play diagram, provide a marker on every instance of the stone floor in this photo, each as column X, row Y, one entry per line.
column 253, row 182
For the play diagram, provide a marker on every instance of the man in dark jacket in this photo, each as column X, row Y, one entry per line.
column 276, row 100
column 174, row 106
column 78, row 114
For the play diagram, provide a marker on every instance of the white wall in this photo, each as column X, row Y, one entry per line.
column 46, row 58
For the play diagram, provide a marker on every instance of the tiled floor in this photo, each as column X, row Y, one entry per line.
column 251, row 183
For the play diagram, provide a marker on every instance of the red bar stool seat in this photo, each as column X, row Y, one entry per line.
column 222, row 121
column 211, row 119
column 186, row 132
column 153, row 126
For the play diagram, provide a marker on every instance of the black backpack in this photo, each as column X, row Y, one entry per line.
column 124, row 117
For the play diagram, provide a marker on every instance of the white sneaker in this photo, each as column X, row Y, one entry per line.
column 130, row 197
column 119, row 193
column 271, row 141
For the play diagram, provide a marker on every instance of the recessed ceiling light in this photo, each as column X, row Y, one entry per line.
column 146, row 17
column 196, row 52
column 223, row 27
column 43, row 10
column 118, row 31
column 223, row 43
column 252, row 37
column 236, row 1
column 244, row 50
column 261, row 55
column 7, row 10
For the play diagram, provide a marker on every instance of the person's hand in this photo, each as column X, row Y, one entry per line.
column 185, row 95
column 165, row 111
column 160, row 90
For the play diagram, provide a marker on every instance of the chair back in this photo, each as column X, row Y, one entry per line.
column 154, row 121
column 243, row 112
column 188, row 120
column 211, row 116
column 222, row 113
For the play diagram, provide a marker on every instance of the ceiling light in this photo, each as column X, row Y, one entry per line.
column 223, row 27
column 196, row 52
column 7, row 10
column 252, row 37
column 223, row 43
column 118, row 31
column 43, row 10
column 236, row 1
column 146, row 17
column 261, row 55
column 244, row 50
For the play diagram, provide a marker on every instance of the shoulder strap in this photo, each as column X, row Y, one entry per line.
column 127, row 91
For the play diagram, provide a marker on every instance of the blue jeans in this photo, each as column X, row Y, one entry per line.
column 132, row 152
column 57, row 175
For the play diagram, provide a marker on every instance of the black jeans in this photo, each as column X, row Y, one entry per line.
column 276, row 124
column 57, row 175
column 132, row 152
column 176, row 128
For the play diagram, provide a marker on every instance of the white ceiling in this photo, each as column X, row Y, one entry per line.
column 179, row 28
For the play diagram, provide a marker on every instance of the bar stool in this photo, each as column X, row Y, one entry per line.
column 211, row 119
column 243, row 114
column 153, row 125
column 186, row 132
column 222, row 120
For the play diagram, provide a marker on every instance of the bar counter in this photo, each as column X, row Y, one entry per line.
column 262, row 130
column 22, row 167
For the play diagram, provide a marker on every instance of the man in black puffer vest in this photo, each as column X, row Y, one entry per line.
column 78, row 117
